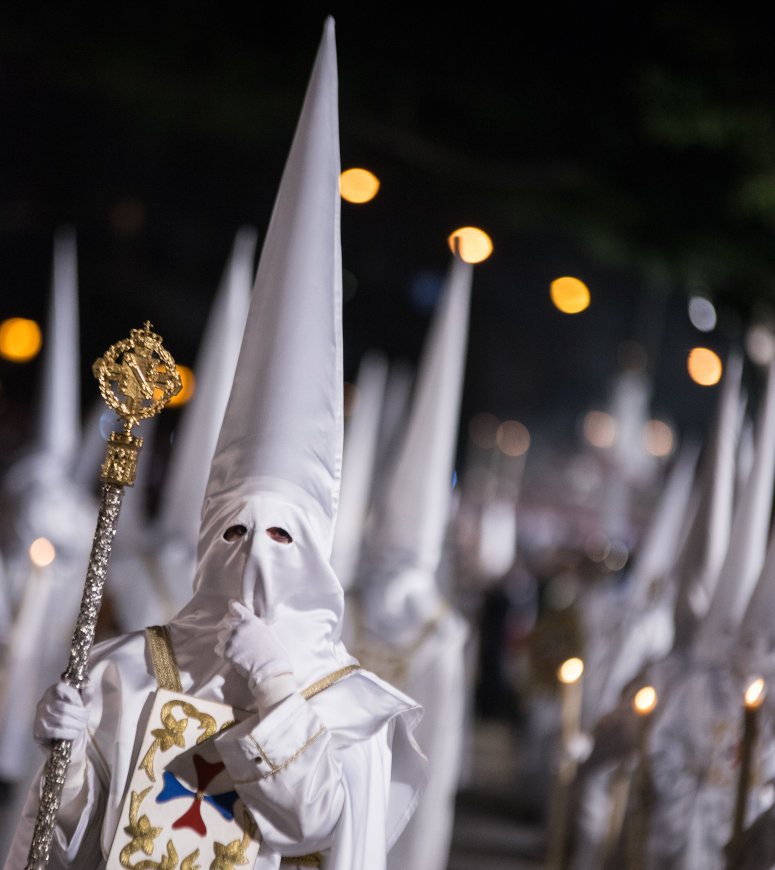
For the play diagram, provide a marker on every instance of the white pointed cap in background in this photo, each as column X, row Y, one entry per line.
column 184, row 488
column 753, row 654
column 413, row 519
column 360, row 444
column 748, row 540
column 282, row 429
column 59, row 409
column 705, row 548
column 395, row 410
column 645, row 631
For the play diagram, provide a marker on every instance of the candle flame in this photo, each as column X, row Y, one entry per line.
column 42, row 552
column 645, row 700
column 754, row 694
column 570, row 670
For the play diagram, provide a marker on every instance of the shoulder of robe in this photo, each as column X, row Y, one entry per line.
column 121, row 660
column 362, row 704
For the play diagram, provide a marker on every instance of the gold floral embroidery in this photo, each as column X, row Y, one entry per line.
column 188, row 862
column 167, row 862
column 233, row 853
column 143, row 834
column 172, row 732
column 140, row 830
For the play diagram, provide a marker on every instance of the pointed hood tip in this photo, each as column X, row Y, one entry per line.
column 283, row 426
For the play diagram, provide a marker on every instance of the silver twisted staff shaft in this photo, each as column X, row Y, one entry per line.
column 75, row 674
column 146, row 377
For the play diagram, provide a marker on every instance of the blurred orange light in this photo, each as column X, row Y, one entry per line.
column 645, row 700
column 474, row 245
column 569, row 295
column 187, row 390
column 42, row 552
column 754, row 694
column 513, row 438
column 658, row 438
column 704, row 366
column 358, row 185
column 600, row 429
column 20, row 339
column 570, row 670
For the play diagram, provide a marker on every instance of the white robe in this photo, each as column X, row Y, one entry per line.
column 430, row 666
column 339, row 772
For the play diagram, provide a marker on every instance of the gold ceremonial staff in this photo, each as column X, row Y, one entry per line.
column 145, row 379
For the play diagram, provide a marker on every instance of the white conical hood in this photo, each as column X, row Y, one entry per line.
column 197, row 435
column 278, row 459
column 400, row 591
column 645, row 631
column 395, row 410
column 59, row 410
column 748, row 540
column 283, row 422
column 360, row 442
column 705, row 548
column 414, row 516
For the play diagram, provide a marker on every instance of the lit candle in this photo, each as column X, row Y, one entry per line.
column 754, row 695
column 569, row 675
column 643, row 703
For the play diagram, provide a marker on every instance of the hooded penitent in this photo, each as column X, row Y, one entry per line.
column 333, row 769
column 278, row 458
column 407, row 627
column 699, row 564
column 40, row 499
column 692, row 743
column 399, row 584
column 682, row 595
column 644, row 631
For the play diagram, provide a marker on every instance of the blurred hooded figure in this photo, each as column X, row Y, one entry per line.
column 406, row 629
column 324, row 761
column 41, row 498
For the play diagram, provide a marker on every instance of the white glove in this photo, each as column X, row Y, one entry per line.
column 60, row 715
column 249, row 644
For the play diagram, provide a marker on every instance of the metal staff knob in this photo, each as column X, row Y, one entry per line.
column 137, row 378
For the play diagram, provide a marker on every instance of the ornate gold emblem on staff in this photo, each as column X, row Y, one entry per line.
column 145, row 379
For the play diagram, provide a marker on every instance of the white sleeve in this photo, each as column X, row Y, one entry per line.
column 285, row 770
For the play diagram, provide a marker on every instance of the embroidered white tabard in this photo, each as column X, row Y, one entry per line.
column 181, row 811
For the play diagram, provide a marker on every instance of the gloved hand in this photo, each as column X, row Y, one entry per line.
column 60, row 715
column 249, row 644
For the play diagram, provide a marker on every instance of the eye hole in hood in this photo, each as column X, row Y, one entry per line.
column 234, row 533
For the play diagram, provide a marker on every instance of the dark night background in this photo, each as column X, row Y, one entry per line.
column 632, row 147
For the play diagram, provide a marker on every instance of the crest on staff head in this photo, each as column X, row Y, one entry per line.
column 137, row 378
column 144, row 374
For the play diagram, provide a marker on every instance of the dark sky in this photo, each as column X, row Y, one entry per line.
column 634, row 149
